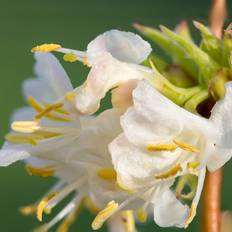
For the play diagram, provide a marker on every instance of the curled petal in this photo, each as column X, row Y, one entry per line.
column 124, row 46
column 122, row 95
column 106, row 74
column 221, row 116
column 168, row 211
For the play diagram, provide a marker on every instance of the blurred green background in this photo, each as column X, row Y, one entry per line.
column 26, row 23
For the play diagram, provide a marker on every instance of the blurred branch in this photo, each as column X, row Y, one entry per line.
column 217, row 17
column 213, row 182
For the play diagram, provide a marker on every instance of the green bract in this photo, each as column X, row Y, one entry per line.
column 207, row 65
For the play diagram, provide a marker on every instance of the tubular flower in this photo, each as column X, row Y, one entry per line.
column 54, row 140
column 114, row 58
column 161, row 142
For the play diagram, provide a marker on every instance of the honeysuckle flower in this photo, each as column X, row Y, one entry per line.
column 54, row 140
column 114, row 58
column 161, row 141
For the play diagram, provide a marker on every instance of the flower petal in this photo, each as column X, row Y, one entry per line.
column 106, row 73
column 168, row 211
column 52, row 82
column 122, row 95
column 23, row 114
column 9, row 156
column 156, row 119
column 137, row 168
column 221, row 116
column 124, row 46
column 152, row 119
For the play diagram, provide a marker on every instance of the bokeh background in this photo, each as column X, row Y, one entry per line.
column 72, row 23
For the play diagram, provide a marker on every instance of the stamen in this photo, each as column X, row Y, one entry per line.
column 186, row 146
column 62, row 111
column 70, row 96
column 107, row 174
column 142, row 215
column 46, row 111
column 49, row 109
column 42, row 172
column 65, row 191
column 25, row 126
column 192, row 214
column 69, row 220
column 34, row 104
column 42, row 205
column 104, row 214
column 46, row 48
column 28, row 210
column 15, row 138
column 192, row 166
column 70, row 57
column 128, row 220
column 170, row 173
column 161, row 147
column 90, row 205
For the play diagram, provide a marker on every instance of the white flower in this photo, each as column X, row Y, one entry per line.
column 161, row 141
column 114, row 58
column 54, row 140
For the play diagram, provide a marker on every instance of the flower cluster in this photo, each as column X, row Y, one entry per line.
column 134, row 160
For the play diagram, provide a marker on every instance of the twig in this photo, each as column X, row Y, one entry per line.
column 212, row 189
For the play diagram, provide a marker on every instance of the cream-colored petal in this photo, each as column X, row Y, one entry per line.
column 156, row 119
column 52, row 81
column 137, row 168
column 221, row 117
column 124, row 46
column 105, row 74
column 168, row 210
column 122, row 95
column 11, row 155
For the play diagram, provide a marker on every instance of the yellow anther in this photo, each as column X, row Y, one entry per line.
column 48, row 109
column 186, row 146
column 128, row 220
column 192, row 214
column 170, row 173
column 18, row 138
column 62, row 111
column 142, row 215
column 91, row 206
column 42, row 205
column 70, row 57
column 28, row 210
column 104, row 214
column 107, row 174
column 25, row 126
column 41, row 134
column 161, row 147
column 46, row 48
column 193, row 165
column 70, row 96
column 34, row 104
column 42, row 172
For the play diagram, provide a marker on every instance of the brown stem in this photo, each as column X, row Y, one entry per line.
column 217, row 17
column 212, row 202
column 213, row 181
